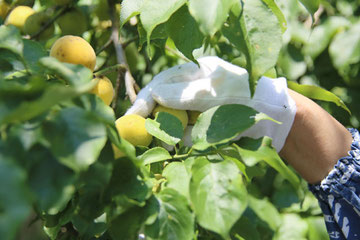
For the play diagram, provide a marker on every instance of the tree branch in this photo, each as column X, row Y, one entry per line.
column 120, row 56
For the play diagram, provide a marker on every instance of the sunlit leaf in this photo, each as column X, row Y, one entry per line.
column 317, row 93
column 156, row 154
column 217, row 192
column 76, row 137
column 256, row 150
column 222, row 123
column 175, row 220
column 256, row 32
column 165, row 127
column 210, row 14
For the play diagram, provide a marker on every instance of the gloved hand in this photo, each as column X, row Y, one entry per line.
column 217, row 82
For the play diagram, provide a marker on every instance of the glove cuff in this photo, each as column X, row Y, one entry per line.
column 272, row 98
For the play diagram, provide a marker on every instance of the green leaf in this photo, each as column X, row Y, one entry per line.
column 218, row 194
column 10, row 39
column 15, row 200
column 33, row 51
column 184, row 31
column 94, row 104
column 246, row 229
column 311, row 5
column 126, row 182
column 266, row 211
column 177, row 177
column 76, row 75
column 88, row 228
column 210, row 14
column 155, row 12
column 293, row 227
column 322, row 35
column 256, row 32
column 153, row 155
column 21, row 109
column 165, row 127
column 233, row 155
column 174, row 221
column 129, row 8
column 76, row 137
column 127, row 224
column 292, row 62
column 158, row 35
column 278, row 13
column 222, row 123
column 345, row 54
column 255, row 150
column 52, row 194
column 317, row 228
column 317, row 93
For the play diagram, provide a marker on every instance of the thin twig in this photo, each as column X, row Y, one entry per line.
column 120, row 56
column 51, row 21
column 117, row 67
column 309, row 21
column 103, row 47
column 109, row 41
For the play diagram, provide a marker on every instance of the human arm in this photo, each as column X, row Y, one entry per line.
column 316, row 140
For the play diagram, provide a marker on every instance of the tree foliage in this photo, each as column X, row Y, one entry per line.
column 57, row 166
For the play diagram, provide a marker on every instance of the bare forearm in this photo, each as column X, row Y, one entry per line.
column 316, row 140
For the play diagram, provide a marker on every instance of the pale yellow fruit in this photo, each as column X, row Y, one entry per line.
column 72, row 22
column 18, row 16
column 4, row 8
column 180, row 114
column 193, row 116
column 35, row 22
column 104, row 89
column 132, row 128
column 75, row 50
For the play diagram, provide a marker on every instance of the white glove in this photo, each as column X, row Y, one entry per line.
column 215, row 83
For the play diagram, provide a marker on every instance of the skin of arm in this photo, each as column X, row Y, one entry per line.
column 316, row 140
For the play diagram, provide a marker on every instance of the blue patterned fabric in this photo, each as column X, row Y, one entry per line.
column 339, row 195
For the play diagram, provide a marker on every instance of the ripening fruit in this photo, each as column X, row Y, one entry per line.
column 18, row 16
column 132, row 128
column 62, row 2
column 35, row 22
column 180, row 114
column 72, row 22
column 104, row 89
column 4, row 8
column 74, row 49
column 193, row 116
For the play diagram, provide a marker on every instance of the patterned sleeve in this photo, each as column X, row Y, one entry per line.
column 339, row 195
